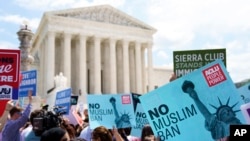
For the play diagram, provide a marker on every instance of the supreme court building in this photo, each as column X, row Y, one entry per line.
column 99, row 49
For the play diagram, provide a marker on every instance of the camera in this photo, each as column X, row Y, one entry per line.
column 47, row 119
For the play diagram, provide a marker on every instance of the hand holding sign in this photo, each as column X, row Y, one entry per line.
column 9, row 105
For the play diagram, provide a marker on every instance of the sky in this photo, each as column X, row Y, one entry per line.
column 180, row 25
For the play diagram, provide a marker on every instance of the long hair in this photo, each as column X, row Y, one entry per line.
column 146, row 131
column 102, row 133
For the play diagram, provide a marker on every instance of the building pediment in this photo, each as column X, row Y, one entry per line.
column 104, row 14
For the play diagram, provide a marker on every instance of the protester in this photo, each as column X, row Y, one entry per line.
column 101, row 133
column 78, row 129
column 127, row 132
column 147, row 134
column 24, row 130
column 30, row 135
column 85, row 116
column 11, row 131
column 69, row 128
column 86, row 132
column 4, row 116
column 55, row 134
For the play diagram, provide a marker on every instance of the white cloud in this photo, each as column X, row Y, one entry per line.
column 62, row 4
column 207, row 24
column 7, row 45
column 162, row 55
column 18, row 20
column 180, row 24
column 178, row 21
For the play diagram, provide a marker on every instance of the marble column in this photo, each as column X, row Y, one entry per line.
column 138, row 67
column 150, row 67
column 50, row 64
column 67, row 58
column 82, row 76
column 126, row 75
column 112, row 61
column 97, row 65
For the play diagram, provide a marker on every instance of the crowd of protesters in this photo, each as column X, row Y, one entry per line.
column 17, row 124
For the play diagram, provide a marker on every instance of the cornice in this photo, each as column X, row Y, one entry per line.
column 102, row 14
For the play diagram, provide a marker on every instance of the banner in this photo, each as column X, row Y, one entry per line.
column 9, row 73
column 9, row 76
column 111, row 110
column 198, row 106
column 140, row 116
column 29, row 82
column 63, row 100
column 189, row 60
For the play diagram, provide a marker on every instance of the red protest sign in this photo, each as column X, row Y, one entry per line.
column 2, row 106
column 9, row 73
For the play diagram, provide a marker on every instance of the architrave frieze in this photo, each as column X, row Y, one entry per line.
column 103, row 14
column 76, row 26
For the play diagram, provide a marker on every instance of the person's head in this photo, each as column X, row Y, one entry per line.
column 149, row 138
column 70, row 128
column 85, row 110
column 101, row 133
column 35, row 114
column 146, row 132
column 55, row 134
column 15, row 113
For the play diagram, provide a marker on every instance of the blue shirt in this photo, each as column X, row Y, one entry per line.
column 30, row 136
column 11, row 128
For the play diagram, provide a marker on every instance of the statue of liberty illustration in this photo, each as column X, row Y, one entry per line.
column 120, row 121
column 218, row 123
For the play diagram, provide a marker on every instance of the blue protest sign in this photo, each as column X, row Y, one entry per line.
column 141, row 120
column 198, row 106
column 140, row 116
column 63, row 100
column 111, row 110
column 244, row 92
column 29, row 82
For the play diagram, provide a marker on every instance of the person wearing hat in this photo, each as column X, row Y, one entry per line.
column 16, row 121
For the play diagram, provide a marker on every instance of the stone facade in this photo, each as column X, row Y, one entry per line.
column 99, row 49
